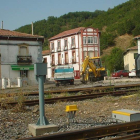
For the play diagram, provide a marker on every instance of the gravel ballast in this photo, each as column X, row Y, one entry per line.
column 91, row 113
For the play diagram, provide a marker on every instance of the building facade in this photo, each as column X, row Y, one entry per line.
column 47, row 59
column 72, row 46
column 19, row 52
column 129, row 58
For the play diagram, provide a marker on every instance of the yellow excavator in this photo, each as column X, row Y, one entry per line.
column 92, row 70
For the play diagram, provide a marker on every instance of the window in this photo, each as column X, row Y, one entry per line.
column 45, row 60
column 72, row 41
column 96, row 53
column 66, row 58
column 85, row 54
column 65, row 42
column 90, row 39
column 23, row 51
column 23, row 73
column 135, row 55
column 59, row 59
column 84, row 39
column 52, row 46
column 95, row 40
column 53, row 72
column 53, row 62
column 91, row 54
column 58, row 46
column 73, row 57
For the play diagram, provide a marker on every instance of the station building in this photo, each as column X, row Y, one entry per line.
column 18, row 53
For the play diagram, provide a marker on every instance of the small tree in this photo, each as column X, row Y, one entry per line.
column 114, row 60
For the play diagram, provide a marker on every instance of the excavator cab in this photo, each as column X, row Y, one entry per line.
column 92, row 70
column 96, row 61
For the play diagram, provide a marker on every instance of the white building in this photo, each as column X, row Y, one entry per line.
column 70, row 48
column 47, row 59
column 19, row 51
column 129, row 58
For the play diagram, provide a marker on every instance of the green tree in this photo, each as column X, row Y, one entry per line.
column 107, row 39
column 114, row 61
column 136, row 31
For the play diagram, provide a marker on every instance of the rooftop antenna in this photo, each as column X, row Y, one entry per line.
column 2, row 25
column 32, row 29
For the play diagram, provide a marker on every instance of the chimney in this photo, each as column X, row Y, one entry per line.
column 32, row 29
column 2, row 25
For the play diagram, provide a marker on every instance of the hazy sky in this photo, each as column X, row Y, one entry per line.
column 17, row 13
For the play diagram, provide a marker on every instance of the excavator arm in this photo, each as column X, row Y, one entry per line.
column 93, row 68
column 85, row 71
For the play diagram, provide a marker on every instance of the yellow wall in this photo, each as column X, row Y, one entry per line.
column 129, row 61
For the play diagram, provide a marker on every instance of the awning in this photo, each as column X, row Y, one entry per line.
column 22, row 67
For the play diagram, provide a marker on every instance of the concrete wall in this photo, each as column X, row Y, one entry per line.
column 9, row 51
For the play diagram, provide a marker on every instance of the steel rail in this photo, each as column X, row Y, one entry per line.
column 127, row 137
column 75, row 98
column 98, row 132
column 88, row 89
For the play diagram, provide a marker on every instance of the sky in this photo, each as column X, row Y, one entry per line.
column 17, row 13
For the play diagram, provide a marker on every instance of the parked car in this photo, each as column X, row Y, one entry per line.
column 121, row 73
column 132, row 73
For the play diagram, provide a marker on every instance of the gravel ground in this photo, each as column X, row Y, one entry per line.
column 91, row 113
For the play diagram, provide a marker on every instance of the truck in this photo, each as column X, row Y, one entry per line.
column 64, row 75
column 92, row 70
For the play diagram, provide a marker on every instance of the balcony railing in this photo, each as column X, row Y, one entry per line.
column 59, row 49
column 73, row 47
column 53, row 50
column 66, row 48
column 24, row 59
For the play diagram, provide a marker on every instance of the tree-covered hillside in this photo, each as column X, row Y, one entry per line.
column 54, row 25
column 122, row 19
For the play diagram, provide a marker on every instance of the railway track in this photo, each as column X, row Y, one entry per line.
column 97, row 133
column 88, row 89
column 75, row 98
column 135, row 136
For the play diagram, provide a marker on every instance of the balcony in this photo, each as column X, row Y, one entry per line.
column 59, row 49
column 52, row 50
column 66, row 48
column 73, row 47
column 24, row 59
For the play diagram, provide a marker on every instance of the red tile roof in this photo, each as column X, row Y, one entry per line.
column 8, row 33
column 68, row 32
column 45, row 52
column 136, row 37
column 132, row 48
